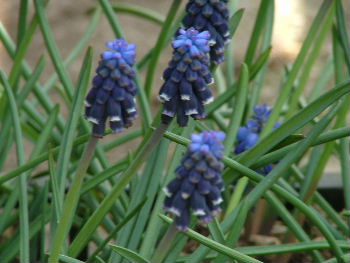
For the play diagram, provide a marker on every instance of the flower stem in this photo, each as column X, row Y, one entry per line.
column 93, row 222
column 71, row 201
column 165, row 244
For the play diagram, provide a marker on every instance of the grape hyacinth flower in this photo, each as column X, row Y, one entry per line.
column 213, row 16
column 185, row 89
column 248, row 135
column 198, row 183
column 114, row 89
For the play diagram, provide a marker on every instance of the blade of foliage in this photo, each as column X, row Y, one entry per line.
column 213, row 244
column 72, row 197
column 129, row 254
column 22, row 181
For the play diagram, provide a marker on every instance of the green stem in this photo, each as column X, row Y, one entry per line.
column 93, row 222
column 165, row 244
column 71, row 201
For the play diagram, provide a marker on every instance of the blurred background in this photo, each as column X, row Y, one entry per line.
column 69, row 19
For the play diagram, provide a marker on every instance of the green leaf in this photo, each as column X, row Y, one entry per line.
column 74, row 192
column 129, row 254
column 234, row 254
column 141, row 12
column 23, row 193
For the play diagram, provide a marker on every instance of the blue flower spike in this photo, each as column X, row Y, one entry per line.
column 198, row 183
column 185, row 90
column 248, row 135
column 213, row 16
column 113, row 89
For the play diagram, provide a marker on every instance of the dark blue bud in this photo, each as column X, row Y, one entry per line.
column 167, row 91
column 181, row 67
column 113, row 110
column 102, row 96
column 196, row 65
column 123, row 81
column 181, row 171
column 176, row 76
column 183, row 221
column 194, row 176
column 98, row 129
column 205, row 96
column 188, row 163
column 90, row 98
column 108, row 84
column 185, row 89
column 186, row 188
column 172, row 187
column 167, row 73
column 201, row 166
column 179, row 205
column 115, row 74
column 193, row 9
column 242, row 133
column 117, row 126
column 200, row 22
column 128, row 103
column 103, row 72
column 207, row 10
column 96, row 114
column 97, row 81
column 169, row 108
column 200, row 2
column 191, row 75
column 204, row 187
column 182, row 118
column 111, row 63
column 198, row 204
column 214, row 195
column 216, row 19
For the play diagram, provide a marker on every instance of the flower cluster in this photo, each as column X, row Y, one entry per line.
column 248, row 135
column 185, row 89
column 213, row 16
column 198, row 183
column 114, row 88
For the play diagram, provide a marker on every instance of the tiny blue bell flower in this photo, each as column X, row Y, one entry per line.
column 114, row 89
column 198, row 183
column 185, row 90
column 248, row 135
column 213, row 16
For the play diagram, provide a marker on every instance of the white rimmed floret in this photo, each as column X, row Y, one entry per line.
column 199, row 212
column 185, row 97
column 185, row 195
column 93, row 120
column 217, row 201
column 191, row 111
column 115, row 118
column 168, row 113
column 167, row 192
column 131, row 110
column 208, row 100
column 163, row 97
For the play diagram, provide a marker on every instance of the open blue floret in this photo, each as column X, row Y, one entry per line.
column 248, row 135
column 213, row 16
column 185, row 90
column 113, row 89
column 198, row 183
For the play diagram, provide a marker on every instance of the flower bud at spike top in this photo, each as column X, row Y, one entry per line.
column 213, row 16
column 113, row 89
column 198, row 183
column 248, row 135
column 185, row 90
